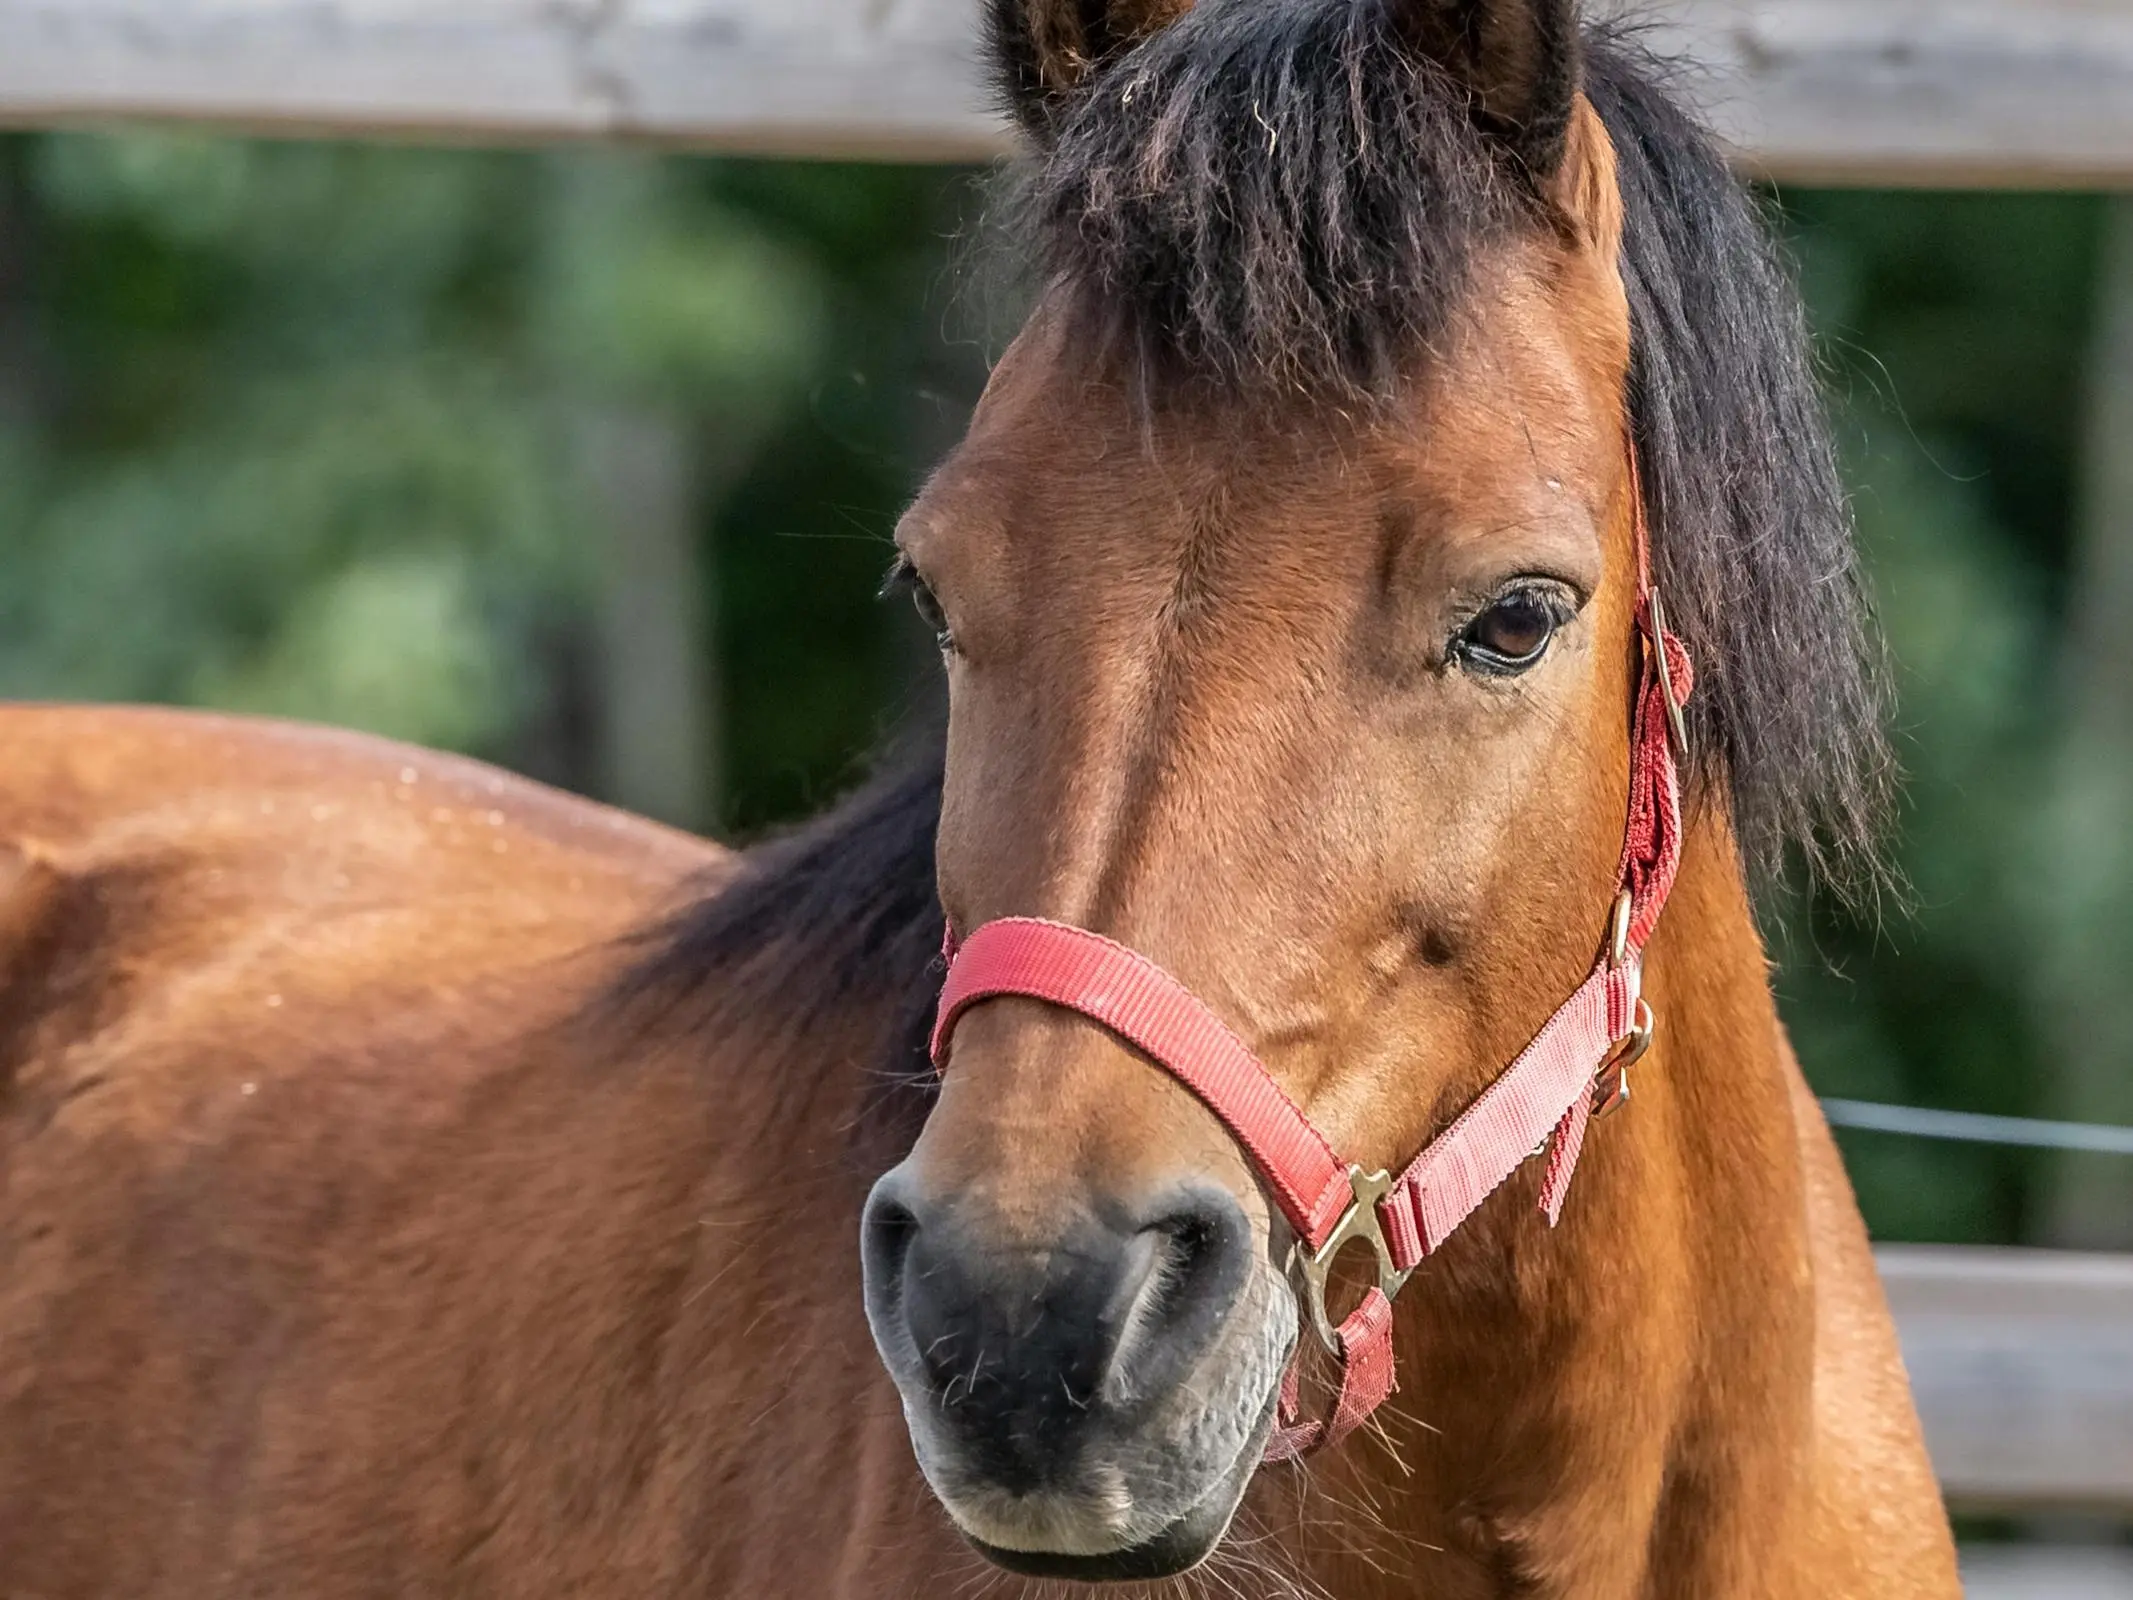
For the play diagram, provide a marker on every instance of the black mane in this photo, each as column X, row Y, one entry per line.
column 1321, row 199
column 837, row 917
column 1752, row 533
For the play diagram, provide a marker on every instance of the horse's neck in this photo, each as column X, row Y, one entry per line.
column 1557, row 1382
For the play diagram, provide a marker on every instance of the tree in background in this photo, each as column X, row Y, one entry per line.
column 266, row 449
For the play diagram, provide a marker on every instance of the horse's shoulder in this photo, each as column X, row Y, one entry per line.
column 291, row 1025
column 257, row 894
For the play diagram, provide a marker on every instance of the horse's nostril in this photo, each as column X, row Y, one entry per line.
column 1202, row 1259
column 1206, row 1240
column 886, row 1233
column 1180, row 1252
column 1192, row 1242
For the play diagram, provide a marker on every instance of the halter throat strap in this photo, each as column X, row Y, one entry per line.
column 1543, row 1101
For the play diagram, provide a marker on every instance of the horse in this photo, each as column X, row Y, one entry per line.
column 417, row 1182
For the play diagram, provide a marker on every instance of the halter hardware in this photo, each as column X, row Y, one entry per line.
column 1655, row 637
column 1610, row 1085
column 1314, row 1268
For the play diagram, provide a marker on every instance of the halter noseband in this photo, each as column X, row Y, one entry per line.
column 1575, row 1068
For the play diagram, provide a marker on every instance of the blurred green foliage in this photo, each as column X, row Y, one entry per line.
column 1956, row 329
column 286, row 428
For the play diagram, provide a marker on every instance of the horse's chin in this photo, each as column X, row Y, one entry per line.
column 1176, row 1549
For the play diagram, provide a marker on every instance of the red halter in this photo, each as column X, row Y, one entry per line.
column 1574, row 1069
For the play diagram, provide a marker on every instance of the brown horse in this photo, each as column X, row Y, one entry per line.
column 416, row 1183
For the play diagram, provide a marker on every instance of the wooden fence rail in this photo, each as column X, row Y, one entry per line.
column 2022, row 1362
column 1896, row 91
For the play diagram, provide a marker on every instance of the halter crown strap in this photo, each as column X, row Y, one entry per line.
column 1546, row 1097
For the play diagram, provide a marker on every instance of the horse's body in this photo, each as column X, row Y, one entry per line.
column 323, row 1269
column 343, row 1257
column 414, row 1183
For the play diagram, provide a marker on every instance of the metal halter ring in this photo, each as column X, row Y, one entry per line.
column 1610, row 1085
column 1359, row 1221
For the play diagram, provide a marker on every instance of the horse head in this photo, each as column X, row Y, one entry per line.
column 1286, row 582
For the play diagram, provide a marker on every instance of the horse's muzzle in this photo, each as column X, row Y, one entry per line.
column 1075, row 1399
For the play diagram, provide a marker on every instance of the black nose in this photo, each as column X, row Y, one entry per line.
column 1025, row 1348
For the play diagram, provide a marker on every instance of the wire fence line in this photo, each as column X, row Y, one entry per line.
column 1970, row 1127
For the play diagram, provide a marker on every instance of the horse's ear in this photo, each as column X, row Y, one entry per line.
column 1586, row 187
column 1518, row 60
column 1044, row 51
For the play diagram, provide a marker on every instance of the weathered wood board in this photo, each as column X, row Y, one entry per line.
column 2022, row 1362
column 1883, row 91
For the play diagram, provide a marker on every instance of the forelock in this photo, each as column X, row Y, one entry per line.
column 1273, row 196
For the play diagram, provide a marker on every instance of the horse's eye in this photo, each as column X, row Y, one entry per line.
column 924, row 601
column 1512, row 634
column 929, row 610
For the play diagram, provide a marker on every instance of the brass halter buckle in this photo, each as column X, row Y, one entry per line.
column 1359, row 1221
column 1610, row 1085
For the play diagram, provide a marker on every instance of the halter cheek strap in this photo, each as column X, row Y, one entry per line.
column 1574, row 1069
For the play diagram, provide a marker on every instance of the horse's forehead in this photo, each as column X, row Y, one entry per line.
column 1068, row 458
